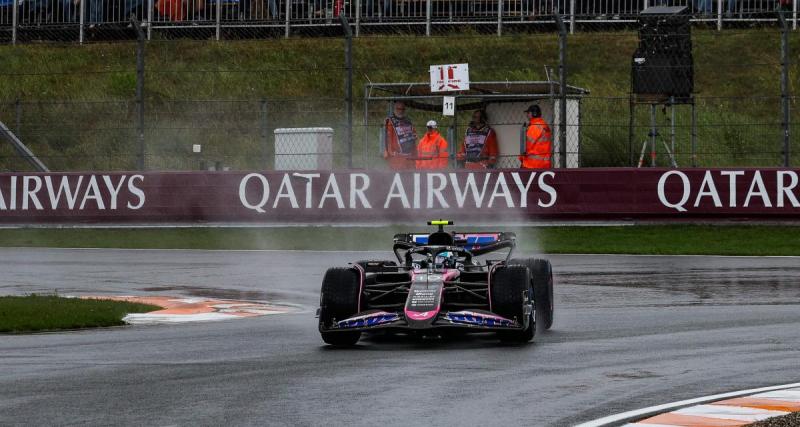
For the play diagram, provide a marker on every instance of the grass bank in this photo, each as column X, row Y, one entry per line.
column 50, row 312
column 77, row 108
column 643, row 239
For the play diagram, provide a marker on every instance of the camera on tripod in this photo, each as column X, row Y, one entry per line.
column 662, row 73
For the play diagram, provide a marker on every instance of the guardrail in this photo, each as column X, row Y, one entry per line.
column 74, row 18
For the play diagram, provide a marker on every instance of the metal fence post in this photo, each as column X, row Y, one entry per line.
column 499, row 18
column 288, row 12
column 17, row 117
column 81, row 19
column 219, row 17
column 348, row 87
column 572, row 16
column 150, row 7
column 794, row 15
column 264, row 135
column 631, row 111
column 14, row 19
column 139, row 91
column 562, row 83
column 365, row 129
column 428, row 13
column 785, row 87
column 358, row 18
column 672, row 128
column 719, row 15
column 694, row 132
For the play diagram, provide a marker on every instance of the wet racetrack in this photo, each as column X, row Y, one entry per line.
column 629, row 332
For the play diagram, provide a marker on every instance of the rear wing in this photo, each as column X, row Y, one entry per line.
column 471, row 243
column 467, row 240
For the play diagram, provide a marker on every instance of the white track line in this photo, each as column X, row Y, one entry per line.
column 153, row 319
column 653, row 410
column 729, row 412
column 785, row 395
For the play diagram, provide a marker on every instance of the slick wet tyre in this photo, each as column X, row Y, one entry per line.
column 542, row 283
column 509, row 286
column 339, row 298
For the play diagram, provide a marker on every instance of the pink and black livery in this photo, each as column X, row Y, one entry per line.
column 441, row 281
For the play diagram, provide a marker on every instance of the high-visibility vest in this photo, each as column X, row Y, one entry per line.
column 432, row 152
column 474, row 143
column 404, row 131
column 480, row 148
column 538, row 145
column 401, row 141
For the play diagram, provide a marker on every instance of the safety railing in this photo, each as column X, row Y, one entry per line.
column 70, row 19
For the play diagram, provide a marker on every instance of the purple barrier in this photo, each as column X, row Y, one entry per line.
column 360, row 196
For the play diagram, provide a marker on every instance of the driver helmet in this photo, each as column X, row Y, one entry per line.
column 443, row 259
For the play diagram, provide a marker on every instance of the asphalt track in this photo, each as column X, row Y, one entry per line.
column 629, row 332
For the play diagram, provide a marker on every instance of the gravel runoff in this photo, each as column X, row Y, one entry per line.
column 791, row 420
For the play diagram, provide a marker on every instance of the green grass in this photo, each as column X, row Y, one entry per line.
column 640, row 239
column 50, row 312
column 302, row 82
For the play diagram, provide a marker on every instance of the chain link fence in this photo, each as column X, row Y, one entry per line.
column 739, row 112
column 283, row 103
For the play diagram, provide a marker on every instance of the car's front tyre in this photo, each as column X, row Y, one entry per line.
column 542, row 282
column 339, row 299
column 510, row 292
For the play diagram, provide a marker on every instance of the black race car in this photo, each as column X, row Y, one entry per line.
column 439, row 284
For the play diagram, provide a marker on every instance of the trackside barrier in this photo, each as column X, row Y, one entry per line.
column 379, row 197
column 64, row 18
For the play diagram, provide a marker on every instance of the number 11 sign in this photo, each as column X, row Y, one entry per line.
column 449, row 106
column 448, row 78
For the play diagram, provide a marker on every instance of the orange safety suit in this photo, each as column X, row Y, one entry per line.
column 432, row 151
column 479, row 150
column 538, row 145
column 401, row 138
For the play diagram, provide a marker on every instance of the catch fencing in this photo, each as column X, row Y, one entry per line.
column 177, row 104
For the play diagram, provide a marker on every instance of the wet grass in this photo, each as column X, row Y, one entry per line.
column 92, row 126
column 729, row 63
column 640, row 239
column 33, row 313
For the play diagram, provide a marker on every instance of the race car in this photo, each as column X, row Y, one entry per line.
column 441, row 282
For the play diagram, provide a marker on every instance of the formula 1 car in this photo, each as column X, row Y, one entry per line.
column 439, row 285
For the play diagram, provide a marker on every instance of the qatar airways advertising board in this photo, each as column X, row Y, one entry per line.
column 380, row 196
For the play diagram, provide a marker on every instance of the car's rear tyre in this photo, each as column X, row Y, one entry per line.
column 377, row 266
column 339, row 298
column 542, row 282
column 509, row 287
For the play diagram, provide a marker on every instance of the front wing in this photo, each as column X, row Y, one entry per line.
column 477, row 320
